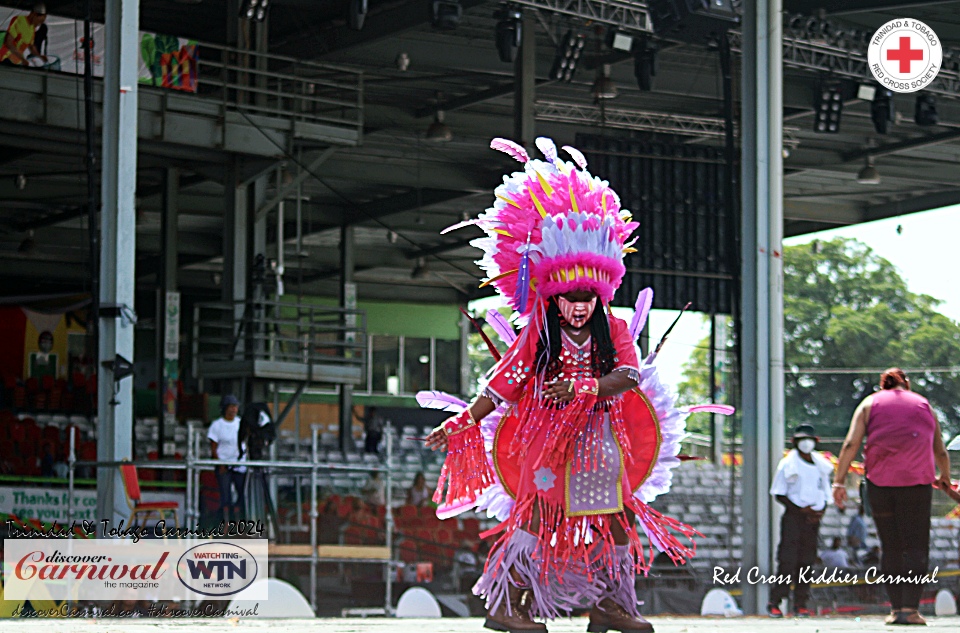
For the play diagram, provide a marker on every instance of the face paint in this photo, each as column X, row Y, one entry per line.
column 576, row 313
column 806, row 445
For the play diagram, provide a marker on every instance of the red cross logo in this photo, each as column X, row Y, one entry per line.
column 905, row 55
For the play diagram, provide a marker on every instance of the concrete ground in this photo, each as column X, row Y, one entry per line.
column 449, row 625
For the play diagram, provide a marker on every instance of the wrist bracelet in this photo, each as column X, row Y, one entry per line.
column 839, row 486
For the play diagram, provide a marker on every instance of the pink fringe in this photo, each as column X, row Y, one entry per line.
column 465, row 471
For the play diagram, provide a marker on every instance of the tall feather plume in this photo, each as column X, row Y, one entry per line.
column 510, row 148
column 500, row 325
column 722, row 409
column 577, row 157
column 440, row 400
column 522, row 293
column 549, row 150
column 642, row 308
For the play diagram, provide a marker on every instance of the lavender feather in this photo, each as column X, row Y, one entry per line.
column 500, row 325
column 642, row 309
column 577, row 157
column 722, row 409
column 440, row 400
column 522, row 292
column 548, row 148
column 510, row 148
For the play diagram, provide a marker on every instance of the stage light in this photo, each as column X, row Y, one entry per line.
column 828, row 108
column 645, row 64
column 926, row 110
column 882, row 110
column 604, row 87
column 568, row 56
column 356, row 14
column 445, row 14
column 255, row 10
column 866, row 92
column 869, row 174
column 508, row 33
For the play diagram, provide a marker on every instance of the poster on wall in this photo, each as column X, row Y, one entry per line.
column 165, row 61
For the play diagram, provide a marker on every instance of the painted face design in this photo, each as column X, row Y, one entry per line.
column 576, row 313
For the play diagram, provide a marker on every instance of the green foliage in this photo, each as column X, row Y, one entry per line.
column 847, row 307
column 695, row 387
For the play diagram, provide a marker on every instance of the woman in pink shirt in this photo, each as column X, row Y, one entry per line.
column 904, row 450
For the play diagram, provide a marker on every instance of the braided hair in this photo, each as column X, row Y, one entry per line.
column 603, row 355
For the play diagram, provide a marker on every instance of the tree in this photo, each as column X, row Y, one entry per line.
column 847, row 309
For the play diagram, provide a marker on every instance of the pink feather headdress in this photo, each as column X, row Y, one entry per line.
column 553, row 228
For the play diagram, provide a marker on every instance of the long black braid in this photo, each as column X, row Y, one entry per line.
column 603, row 355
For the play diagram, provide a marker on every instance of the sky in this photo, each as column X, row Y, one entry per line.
column 926, row 251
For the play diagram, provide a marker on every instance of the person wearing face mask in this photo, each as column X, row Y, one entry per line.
column 802, row 485
column 570, row 437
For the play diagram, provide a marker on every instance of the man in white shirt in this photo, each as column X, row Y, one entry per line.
column 802, row 485
column 225, row 445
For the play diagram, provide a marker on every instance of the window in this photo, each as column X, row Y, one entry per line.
column 385, row 363
column 416, row 364
column 447, row 361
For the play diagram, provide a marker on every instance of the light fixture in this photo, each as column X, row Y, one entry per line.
column 255, row 10
column 882, row 110
column 445, row 14
column 402, row 61
column 420, row 270
column 869, row 174
column 925, row 112
column 828, row 108
column 439, row 132
column 356, row 14
column 20, row 180
column 508, row 33
column 28, row 245
column 645, row 63
column 603, row 87
column 568, row 55
column 866, row 92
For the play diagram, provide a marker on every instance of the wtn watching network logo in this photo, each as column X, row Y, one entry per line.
column 217, row 569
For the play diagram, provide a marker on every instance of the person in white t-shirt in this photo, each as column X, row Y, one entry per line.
column 225, row 445
column 802, row 485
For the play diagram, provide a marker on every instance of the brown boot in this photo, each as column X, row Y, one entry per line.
column 610, row 615
column 519, row 617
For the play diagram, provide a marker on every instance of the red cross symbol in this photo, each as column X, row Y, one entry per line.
column 905, row 54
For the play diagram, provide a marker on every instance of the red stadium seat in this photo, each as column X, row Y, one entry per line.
column 131, row 485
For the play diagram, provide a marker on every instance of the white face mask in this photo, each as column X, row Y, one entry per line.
column 806, row 445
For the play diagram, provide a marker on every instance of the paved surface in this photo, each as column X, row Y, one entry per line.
column 450, row 625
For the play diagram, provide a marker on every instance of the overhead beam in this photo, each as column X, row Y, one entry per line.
column 382, row 21
column 902, row 146
column 474, row 98
column 849, row 7
column 407, row 201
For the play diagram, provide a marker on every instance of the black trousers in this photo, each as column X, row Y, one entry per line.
column 902, row 515
column 225, row 479
column 798, row 549
column 372, row 441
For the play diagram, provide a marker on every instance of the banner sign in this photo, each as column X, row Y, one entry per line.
column 165, row 61
column 121, row 569
column 50, row 504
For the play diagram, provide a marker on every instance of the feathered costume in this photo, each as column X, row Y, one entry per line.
column 554, row 228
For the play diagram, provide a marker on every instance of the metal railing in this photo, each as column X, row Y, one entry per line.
column 284, row 87
column 278, row 332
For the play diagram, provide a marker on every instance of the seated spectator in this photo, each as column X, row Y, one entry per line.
column 873, row 557
column 375, row 491
column 835, row 556
column 419, row 494
column 47, row 461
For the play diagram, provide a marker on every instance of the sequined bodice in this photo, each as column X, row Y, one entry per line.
column 575, row 359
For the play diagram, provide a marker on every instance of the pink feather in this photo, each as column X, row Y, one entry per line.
column 548, row 148
column 577, row 157
column 460, row 225
column 501, row 326
column 642, row 308
column 722, row 409
column 510, row 148
column 440, row 400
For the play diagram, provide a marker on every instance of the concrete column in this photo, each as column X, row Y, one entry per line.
column 167, row 278
column 118, row 244
column 348, row 299
column 762, row 405
column 524, row 96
